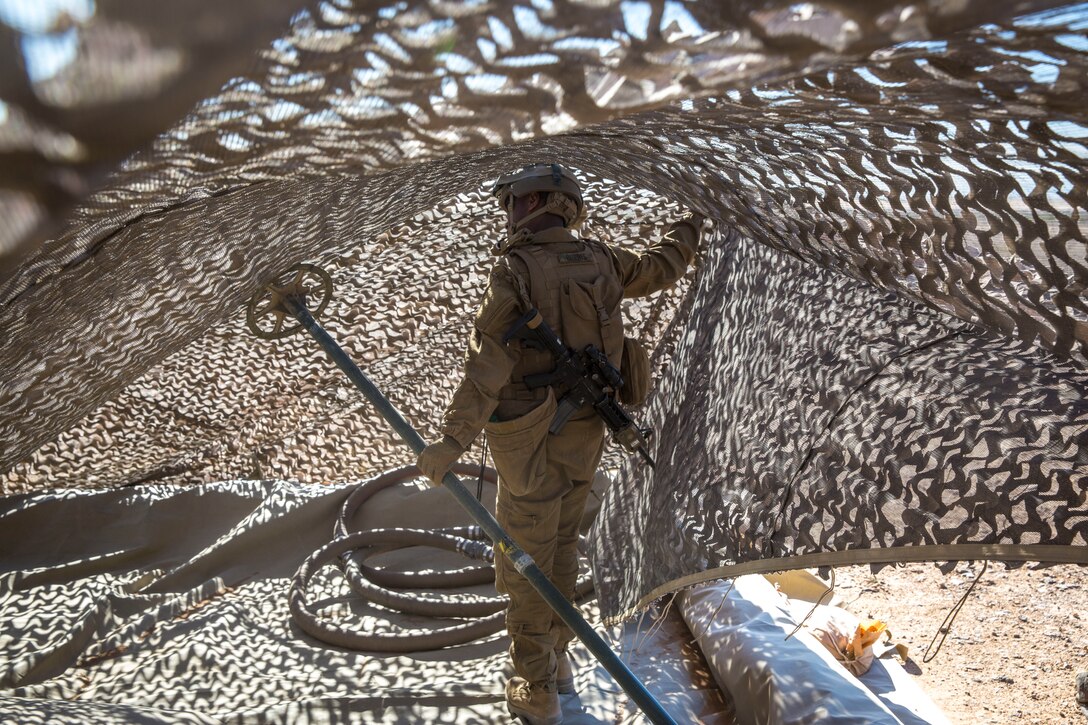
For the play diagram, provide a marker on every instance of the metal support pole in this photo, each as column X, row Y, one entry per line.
column 503, row 543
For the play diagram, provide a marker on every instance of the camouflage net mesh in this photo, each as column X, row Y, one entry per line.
column 882, row 354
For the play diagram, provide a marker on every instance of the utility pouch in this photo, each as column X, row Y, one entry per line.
column 519, row 447
column 635, row 370
column 590, row 314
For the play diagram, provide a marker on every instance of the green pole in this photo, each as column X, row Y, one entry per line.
column 502, row 541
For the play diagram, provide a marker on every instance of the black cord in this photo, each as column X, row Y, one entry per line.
column 480, row 480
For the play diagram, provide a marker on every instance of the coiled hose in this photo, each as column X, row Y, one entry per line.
column 351, row 549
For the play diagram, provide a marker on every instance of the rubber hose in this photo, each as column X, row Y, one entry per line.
column 417, row 603
column 476, row 546
column 362, row 577
column 372, row 583
column 341, row 636
column 465, row 577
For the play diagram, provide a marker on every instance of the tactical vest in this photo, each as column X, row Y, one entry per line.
column 575, row 286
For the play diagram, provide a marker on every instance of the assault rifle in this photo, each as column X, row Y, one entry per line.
column 588, row 377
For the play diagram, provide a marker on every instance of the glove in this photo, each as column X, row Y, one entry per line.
column 696, row 218
column 436, row 459
column 697, row 221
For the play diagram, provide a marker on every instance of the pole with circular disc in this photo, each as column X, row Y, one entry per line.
column 289, row 296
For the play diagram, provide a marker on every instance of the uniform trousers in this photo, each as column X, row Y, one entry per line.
column 544, row 481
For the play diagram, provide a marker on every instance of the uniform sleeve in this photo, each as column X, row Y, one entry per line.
column 662, row 264
column 488, row 362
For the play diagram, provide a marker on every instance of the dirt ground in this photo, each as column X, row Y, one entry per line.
column 1014, row 650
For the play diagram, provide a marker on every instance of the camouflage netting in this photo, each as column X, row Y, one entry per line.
column 882, row 355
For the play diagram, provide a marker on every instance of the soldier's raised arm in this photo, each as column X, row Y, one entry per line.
column 663, row 262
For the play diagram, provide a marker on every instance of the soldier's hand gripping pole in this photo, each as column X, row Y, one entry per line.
column 295, row 305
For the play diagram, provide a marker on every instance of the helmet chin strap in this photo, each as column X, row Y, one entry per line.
column 513, row 238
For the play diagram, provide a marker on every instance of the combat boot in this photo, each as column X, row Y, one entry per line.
column 564, row 674
column 533, row 705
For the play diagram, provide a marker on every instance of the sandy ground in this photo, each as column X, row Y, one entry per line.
column 1013, row 651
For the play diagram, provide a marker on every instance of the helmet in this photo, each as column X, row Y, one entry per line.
column 546, row 179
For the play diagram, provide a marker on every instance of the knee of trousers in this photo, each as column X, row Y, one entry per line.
column 534, row 528
column 532, row 620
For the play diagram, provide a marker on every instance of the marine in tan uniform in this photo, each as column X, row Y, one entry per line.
column 577, row 285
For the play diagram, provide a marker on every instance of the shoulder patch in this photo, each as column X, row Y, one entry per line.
column 575, row 258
